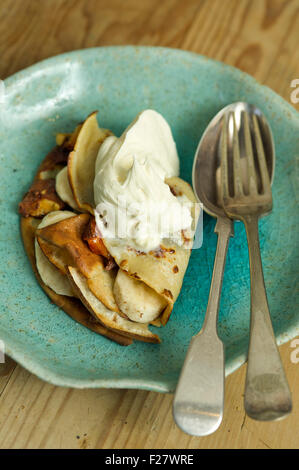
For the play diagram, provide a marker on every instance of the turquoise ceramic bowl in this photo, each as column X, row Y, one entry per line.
column 188, row 90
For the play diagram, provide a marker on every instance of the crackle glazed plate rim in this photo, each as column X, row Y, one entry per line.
column 43, row 371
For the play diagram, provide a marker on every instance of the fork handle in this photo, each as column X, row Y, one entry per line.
column 267, row 394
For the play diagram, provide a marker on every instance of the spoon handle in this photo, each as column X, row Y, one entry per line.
column 199, row 397
column 267, row 394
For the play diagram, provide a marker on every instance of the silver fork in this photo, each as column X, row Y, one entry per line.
column 267, row 395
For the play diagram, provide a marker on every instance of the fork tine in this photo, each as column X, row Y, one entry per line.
column 261, row 155
column 238, row 186
column 252, row 183
column 223, row 160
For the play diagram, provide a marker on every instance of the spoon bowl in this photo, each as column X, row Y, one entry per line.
column 207, row 156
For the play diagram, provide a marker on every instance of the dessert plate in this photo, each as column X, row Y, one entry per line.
column 188, row 90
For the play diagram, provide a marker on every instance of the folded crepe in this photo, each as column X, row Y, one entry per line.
column 112, row 289
column 71, row 305
column 59, row 238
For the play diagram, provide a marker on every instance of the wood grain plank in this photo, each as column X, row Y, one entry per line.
column 257, row 36
column 34, row 414
column 6, row 371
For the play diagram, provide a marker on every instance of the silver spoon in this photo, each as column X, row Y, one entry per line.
column 199, row 397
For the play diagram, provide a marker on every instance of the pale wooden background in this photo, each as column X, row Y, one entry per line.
column 258, row 36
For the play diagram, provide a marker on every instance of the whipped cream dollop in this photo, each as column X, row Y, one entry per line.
column 133, row 202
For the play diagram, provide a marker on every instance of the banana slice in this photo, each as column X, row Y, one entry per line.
column 136, row 300
column 64, row 189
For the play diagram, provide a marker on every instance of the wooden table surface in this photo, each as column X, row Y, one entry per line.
column 257, row 36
